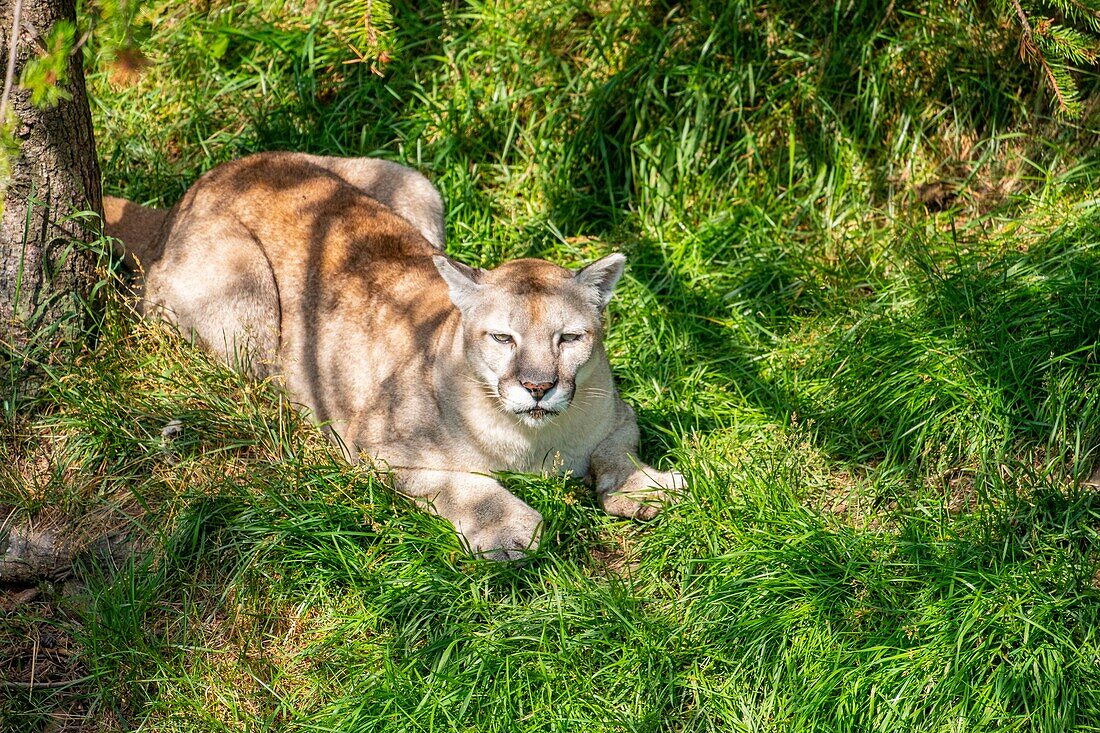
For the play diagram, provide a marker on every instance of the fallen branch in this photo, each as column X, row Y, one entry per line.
column 29, row 554
column 55, row 685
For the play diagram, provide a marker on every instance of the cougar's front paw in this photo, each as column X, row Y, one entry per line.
column 503, row 534
column 644, row 494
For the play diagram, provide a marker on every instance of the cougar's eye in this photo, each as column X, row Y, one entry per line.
column 501, row 338
column 568, row 338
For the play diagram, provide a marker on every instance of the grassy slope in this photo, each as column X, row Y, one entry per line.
column 885, row 412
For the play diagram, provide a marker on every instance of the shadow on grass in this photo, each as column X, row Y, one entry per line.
column 713, row 96
column 979, row 354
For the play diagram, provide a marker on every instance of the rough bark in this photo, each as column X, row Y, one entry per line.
column 45, row 273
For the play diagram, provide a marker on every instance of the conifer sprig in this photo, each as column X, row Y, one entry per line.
column 1058, row 36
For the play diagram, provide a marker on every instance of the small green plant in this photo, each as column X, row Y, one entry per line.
column 45, row 75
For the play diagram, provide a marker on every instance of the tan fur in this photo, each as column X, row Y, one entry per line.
column 138, row 226
column 329, row 273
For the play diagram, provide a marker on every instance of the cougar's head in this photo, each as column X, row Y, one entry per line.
column 531, row 327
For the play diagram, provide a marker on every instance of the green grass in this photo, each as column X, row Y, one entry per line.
column 887, row 414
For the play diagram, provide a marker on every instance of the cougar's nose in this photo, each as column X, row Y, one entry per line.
column 537, row 390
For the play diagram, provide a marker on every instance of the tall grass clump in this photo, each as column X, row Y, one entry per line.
column 860, row 314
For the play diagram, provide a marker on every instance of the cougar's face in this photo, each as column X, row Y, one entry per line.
column 530, row 328
column 529, row 349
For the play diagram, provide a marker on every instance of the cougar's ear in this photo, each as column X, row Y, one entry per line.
column 462, row 281
column 601, row 277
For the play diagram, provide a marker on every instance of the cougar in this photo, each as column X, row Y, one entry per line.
column 329, row 274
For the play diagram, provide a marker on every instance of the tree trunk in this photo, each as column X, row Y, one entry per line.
column 45, row 272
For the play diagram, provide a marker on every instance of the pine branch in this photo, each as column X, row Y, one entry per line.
column 1065, row 91
column 1023, row 20
column 1079, row 11
column 1055, row 47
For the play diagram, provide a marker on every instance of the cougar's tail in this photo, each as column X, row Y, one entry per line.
column 136, row 229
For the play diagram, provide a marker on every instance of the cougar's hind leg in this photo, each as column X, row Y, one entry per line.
column 220, row 291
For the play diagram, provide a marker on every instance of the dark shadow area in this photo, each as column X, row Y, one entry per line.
column 727, row 91
column 1003, row 345
column 1030, row 322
